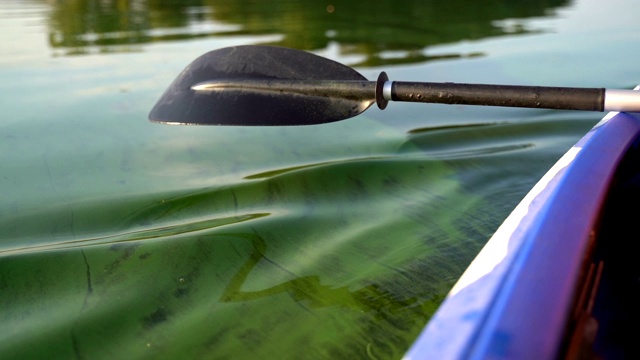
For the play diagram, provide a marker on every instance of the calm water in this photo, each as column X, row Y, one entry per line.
column 123, row 238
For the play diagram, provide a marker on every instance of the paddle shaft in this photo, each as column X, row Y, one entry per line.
column 497, row 95
column 442, row 93
column 544, row 97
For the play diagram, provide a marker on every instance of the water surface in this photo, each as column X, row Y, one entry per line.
column 124, row 238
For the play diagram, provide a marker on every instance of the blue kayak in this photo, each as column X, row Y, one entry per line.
column 559, row 278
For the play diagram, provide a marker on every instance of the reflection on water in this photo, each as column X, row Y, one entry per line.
column 309, row 289
column 384, row 32
column 83, row 26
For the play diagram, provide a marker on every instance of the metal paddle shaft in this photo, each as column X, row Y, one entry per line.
column 269, row 85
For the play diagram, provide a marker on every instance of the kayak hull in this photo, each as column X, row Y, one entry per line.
column 516, row 299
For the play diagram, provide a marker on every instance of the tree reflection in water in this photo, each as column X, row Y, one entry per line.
column 383, row 32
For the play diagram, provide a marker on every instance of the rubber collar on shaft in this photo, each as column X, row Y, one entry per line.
column 380, row 100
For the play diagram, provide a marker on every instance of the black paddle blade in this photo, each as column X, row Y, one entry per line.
column 180, row 104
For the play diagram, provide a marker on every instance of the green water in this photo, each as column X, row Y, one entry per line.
column 120, row 238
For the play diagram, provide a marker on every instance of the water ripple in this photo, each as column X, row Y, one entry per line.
column 150, row 233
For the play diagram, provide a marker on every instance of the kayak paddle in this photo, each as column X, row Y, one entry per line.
column 269, row 85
